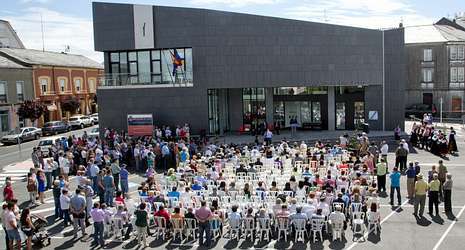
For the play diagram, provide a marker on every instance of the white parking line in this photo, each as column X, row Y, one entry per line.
column 448, row 229
column 385, row 219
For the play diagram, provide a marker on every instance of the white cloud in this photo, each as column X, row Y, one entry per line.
column 35, row 1
column 60, row 30
column 360, row 13
column 234, row 3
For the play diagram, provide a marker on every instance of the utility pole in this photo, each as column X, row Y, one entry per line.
column 42, row 30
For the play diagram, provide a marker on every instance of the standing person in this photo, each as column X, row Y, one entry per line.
column 433, row 195
column 397, row 133
column 100, row 186
column 64, row 206
column 4, row 214
column 141, row 223
column 452, row 143
column 89, row 193
column 442, row 172
column 421, row 186
column 77, row 208
column 401, row 157
column 98, row 216
column 203, row 214
column 384, row 151
column 395, row 186
column 8, row 194
column 137, row 156
column 35, row 158
column 11, row 227
column 48, row 166
column 381, row 171
column 94, row 170
column 124, row 180
column 41, row 185
column 268, row 137
column 165, row 155
column 109, row 187
column 56, row 190
column 447, row 189
column 31, row 188
column 411, row 176
column 293, row 123
column 27, row 227
column 115, row 170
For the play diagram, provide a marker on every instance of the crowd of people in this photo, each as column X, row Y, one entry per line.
column 201, row 189
column 425, row 136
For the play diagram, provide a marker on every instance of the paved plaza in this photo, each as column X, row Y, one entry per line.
column 399, row 228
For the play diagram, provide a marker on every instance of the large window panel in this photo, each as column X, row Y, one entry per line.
column 143, row 62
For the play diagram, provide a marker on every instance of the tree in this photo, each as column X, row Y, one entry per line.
column 70, row 105
column 31, row 109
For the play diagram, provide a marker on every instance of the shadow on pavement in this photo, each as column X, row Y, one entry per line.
column 422, row 221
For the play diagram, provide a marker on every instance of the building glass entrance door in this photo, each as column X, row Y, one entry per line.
column 340, row 115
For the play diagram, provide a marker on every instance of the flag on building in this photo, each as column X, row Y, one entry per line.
column 177, row 61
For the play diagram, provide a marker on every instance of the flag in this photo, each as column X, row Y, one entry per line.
column 177, row 61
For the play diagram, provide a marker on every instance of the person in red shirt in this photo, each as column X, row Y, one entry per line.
column 119, row 198
column 8, row 192
column 163, row 213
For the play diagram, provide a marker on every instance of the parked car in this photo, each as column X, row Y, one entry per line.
column 418, row 110
column 23, row 134
column 55, row 127
column 94, row 133
column 46, row 144
column 94, row 118
column 80, row 121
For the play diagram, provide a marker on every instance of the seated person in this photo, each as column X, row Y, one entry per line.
column 163, row 213
column 174, row 193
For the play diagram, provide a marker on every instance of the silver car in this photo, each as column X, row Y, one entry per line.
column 21, row 135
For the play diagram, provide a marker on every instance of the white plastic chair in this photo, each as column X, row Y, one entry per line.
column 215, row 227
column 337, row 229
column 234, row 228
column 283, row 227
column 300, row 229
column 373, row 221
column 160, row 227
column 248, row 226
column 177, row 226
column 358, row 223
column 191, row 228
column 264, row 227
column 117, row 226
column 316, row 226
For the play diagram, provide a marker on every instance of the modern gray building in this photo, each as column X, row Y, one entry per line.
column 223, row 71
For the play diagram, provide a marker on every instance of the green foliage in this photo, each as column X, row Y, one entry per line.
column 31, row 110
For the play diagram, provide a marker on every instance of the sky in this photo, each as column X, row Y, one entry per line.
column 69, row 22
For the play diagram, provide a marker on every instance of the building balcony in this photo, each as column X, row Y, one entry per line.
column 427, row 85
column 427, row 64
column 457, row 85
column 180, row 79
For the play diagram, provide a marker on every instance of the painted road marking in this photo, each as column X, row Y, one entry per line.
column 448, row 229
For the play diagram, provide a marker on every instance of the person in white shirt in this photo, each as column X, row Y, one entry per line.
column 64, row 205
column 384, row 150
column 48, row 167
column 309, row 209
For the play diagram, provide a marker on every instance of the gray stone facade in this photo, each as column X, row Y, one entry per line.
column 233, row 51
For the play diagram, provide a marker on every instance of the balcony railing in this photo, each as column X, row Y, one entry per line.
column 183, row 79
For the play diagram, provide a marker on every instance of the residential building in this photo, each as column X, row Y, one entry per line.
column 15, row 87
column 8, row 36
column 223, row 71
column 435, row 59
column 58, row 76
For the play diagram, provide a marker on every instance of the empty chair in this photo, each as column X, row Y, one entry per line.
column 316, row 226
column 358, row 224
column 300, row 229
column 177, row 225
column 264, row 228
column 190, row 225
column 160, row 227
column 283, row 227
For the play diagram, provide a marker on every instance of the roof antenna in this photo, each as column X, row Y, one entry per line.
column 42, row 30
column 325, row 17
column 401, row 24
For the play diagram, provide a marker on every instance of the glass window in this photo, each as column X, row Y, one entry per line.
column 340, row 115
column 91, row 85
column 114, row 57
column 188, row 65
column 427, row 55
column 156, row 66
column 3, row 92
column 427, row 75
column 359, row 113
column 155, row 55
column 213, row 116
column 460, row 52
column 123, row 62
column 300, row 91
column 166, row 67
column 453, row 52
column 77, row 84
column 133, row 68
column 4, row 124
column 44, row 85
column 253, row 110
column 143, row 63
column 316, row 112
column 453, row 74
column 19, row 90
column 156, row 78
column 62, row 84
column 305, row 112
column 132, row 56
column 279, row 115
column 460, row 74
